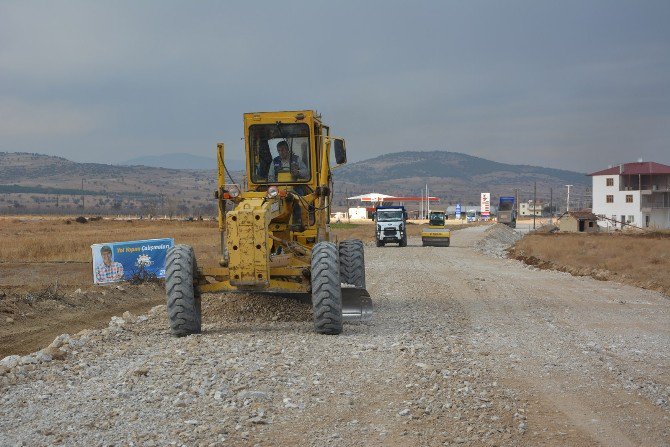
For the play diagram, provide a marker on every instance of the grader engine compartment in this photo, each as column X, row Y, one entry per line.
column 248, row 245
column 274, row 232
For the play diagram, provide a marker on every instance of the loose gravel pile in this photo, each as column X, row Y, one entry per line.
column 498, row 238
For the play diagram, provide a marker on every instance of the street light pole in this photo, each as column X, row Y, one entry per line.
column 568, row 199
column 551, row 206
column 534, row 202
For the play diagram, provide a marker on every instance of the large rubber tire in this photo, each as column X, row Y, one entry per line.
column 326, row 289
column 380, row 243
column 403, row 241
column 183, row 297
column 352, row 263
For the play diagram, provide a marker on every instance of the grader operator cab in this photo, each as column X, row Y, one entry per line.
column 275, row 234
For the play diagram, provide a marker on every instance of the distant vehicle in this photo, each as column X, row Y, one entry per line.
column 471, row 216
column 506, row 212
column 436, row 234
column 390, row 225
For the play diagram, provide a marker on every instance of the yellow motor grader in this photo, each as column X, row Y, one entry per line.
column 275, row 232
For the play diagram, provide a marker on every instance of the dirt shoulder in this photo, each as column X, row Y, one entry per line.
column 636, row 259
column 59, row 298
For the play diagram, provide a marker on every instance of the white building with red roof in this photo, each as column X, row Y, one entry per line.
column 636, row 193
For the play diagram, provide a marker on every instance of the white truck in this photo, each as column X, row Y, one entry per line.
column 390, row 225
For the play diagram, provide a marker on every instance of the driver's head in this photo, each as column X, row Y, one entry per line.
column 282, row 148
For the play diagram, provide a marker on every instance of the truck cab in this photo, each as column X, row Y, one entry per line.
column 390, row 225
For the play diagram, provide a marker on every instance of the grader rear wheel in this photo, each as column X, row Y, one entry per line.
column 352, row 263
column 326, row 289
column 183, row 298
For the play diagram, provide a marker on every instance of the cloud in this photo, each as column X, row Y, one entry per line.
column 570, row 84
column 22, row 119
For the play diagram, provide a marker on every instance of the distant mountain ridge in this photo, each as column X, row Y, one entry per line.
column 455, row 177
column 181, row 161
column 443, row 164
column 451, row 176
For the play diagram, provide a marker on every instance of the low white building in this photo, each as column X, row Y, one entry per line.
column 529, row 208
column 634, row 193
column 358, row 213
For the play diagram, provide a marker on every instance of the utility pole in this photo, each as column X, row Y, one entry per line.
column 534, row 203
column 421, row 206
column 427, row 201
column 551, row 206
column 568, row 199
column 82, row 194
column 516, row 201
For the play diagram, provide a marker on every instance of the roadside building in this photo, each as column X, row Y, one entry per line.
column 578, row 222
column 530, row 208
column 338, row 216
column 634, row 193
column 358, row 213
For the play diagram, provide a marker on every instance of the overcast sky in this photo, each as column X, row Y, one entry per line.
column 566, row 84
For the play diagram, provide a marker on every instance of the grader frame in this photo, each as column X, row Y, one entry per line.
column 262, row 248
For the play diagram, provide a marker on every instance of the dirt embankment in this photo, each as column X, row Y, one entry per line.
column 642, row 260
column 29, row 320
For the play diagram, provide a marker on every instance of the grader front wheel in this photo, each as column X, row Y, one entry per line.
column 183, row 298
column 326, row 289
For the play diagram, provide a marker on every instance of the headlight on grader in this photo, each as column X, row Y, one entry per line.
column 233, row 191
column 273, row 192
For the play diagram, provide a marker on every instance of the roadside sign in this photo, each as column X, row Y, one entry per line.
column 458, row 211
column 123, row 261
column 486, row 204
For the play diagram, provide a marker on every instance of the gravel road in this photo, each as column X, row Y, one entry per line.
column 465, row 348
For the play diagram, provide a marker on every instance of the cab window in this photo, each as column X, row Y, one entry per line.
column 279, row 153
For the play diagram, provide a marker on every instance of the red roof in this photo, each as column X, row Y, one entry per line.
column 645, row 167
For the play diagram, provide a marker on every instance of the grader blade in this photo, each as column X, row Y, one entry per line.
column 356, row 305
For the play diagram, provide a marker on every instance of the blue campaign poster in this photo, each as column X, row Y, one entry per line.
column 132, row 260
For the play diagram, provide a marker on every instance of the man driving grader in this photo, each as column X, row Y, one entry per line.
column 276, row 238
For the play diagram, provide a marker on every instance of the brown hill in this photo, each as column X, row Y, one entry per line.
column 42, row 183
column 455, row 177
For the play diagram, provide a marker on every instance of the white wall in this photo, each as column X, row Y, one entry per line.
column 619, row 207
column 659, row 218
column 358, row 213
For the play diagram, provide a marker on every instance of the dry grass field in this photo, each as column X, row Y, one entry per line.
column 29, row 239
column 641, row 260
